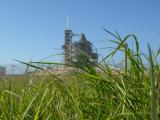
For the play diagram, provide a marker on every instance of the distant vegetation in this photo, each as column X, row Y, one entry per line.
column 91, row 92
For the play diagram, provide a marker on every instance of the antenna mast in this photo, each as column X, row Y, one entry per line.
column 67, row 22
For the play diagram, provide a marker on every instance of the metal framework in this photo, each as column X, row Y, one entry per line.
column 72, row 49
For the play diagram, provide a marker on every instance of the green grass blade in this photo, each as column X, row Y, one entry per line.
column 154, row 114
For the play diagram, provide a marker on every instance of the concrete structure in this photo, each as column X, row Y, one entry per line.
column 2, row 70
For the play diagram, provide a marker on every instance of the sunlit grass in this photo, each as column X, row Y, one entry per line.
column 98, row 91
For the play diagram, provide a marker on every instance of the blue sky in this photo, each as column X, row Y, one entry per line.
column 34, row 29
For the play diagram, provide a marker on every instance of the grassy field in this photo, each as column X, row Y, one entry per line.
column 91, row 92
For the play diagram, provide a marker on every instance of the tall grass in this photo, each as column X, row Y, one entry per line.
column 93, row 92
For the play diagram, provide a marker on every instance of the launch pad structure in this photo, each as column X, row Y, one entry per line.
column 72, row 49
